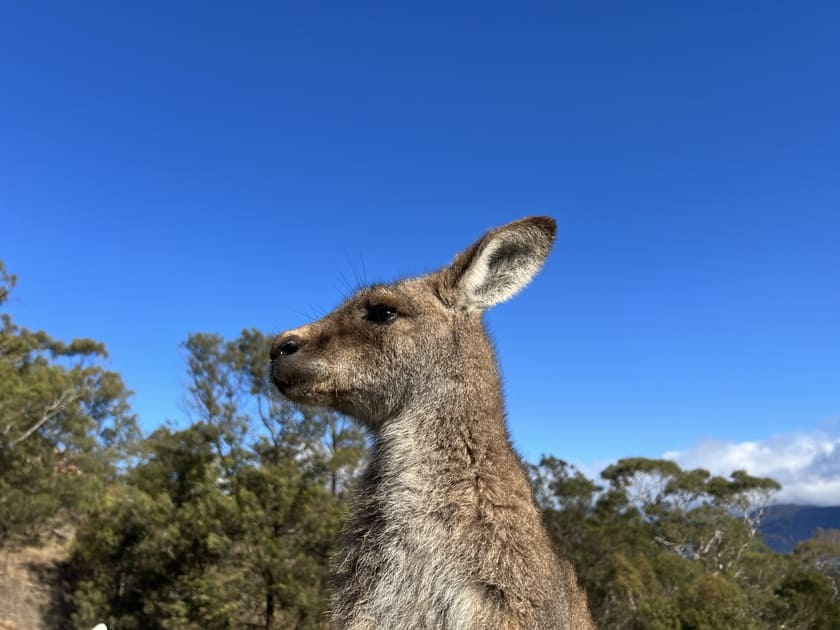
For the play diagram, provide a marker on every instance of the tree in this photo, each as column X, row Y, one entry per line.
column 159, row 551
column 662, row 547
column 566, row 497
column 709, row 519
column 822, row 552
column 807, row 600
column 290, row 524
column 214, row 395
column 65, row 424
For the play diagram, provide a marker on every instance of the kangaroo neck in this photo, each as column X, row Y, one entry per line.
column 458, row 429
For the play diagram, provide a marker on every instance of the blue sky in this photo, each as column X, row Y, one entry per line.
column 169, row 168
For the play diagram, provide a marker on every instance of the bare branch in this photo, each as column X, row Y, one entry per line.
column 52, row 410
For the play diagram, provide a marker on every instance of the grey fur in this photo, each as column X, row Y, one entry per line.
column 444, row 532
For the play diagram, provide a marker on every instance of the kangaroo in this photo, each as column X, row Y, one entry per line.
column 444, row 531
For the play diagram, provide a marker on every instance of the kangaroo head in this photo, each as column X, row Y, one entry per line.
column 401, row 344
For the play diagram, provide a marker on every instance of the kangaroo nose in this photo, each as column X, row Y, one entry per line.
column 284, row 347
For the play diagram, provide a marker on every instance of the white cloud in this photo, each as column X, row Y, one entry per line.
column 807, row 463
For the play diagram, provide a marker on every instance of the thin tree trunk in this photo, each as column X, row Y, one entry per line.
column 269, row 601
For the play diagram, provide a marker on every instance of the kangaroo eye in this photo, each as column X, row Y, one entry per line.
column 382, row 313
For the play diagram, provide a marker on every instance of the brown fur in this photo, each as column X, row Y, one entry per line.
column 444, row 532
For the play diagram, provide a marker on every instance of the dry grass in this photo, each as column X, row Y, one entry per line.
column 32, row 593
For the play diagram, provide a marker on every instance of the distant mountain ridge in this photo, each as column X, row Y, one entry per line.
column 786, row 524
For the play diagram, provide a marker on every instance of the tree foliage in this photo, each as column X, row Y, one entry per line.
column 65, row 425
column 662, row 547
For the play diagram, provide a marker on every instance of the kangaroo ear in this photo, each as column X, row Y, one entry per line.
column 499, row 265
